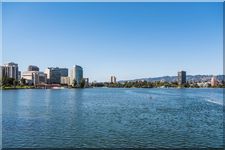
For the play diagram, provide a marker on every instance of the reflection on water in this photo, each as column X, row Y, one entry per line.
column 113, row 118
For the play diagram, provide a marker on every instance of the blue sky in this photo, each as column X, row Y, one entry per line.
column 128, row 40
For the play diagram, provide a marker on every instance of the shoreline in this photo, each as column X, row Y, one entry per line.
column 63, row 88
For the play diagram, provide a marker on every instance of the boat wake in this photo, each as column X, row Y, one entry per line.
column 215, row 102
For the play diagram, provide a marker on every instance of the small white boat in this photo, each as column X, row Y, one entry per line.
column 55, row 87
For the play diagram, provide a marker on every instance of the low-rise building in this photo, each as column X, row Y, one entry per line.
column 65, row 80
column 34, row 77
column 203, row 84
column 214, row 81
column 86, row 80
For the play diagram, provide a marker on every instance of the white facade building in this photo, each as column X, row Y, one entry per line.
column 34, row 77
column 65, row 80
column 76, row 73
column 10, row 70
column 214, row 81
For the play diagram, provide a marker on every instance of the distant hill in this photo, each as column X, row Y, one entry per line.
column 195, row 78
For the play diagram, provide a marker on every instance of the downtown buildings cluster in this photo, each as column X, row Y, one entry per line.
column 57, row 77
column 52, row 75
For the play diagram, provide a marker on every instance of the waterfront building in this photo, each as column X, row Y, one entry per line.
column 10, row 70
column 181, row 77
column 203, row 84
column 34, row 77
column 1, row 72
column 86, row 81
column 63, row 72
column 65, row 80
column 33, row 68
column 19, row 75
column 214, row 81
column 42, row 77
column 113, row 79
column 76, row 73
column 54, row 74
column 162, row 81
column 47, row 72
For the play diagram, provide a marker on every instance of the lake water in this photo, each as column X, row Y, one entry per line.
column 112, row 118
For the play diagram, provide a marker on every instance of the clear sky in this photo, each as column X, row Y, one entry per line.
column 128, row 40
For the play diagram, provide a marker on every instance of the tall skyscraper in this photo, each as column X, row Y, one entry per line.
column 10, row 70
column 113, row 79
column 33, row 68
column 76, row 73
column 181, row 77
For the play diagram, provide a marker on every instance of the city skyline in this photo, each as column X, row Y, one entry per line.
column 66, row 72
column 147, row 40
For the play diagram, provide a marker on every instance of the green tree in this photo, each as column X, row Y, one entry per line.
column 15, row 83
column 74, row 83
column 22, row 81
column 82, row 83
column 7, row 81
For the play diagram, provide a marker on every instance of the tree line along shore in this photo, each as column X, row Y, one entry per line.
column 11, row 83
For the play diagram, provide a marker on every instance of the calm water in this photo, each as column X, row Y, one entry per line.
column 113, row 118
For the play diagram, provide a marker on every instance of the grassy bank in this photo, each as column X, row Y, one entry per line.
column 16, row 87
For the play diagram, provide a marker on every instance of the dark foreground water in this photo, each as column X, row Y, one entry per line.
column 113, row 118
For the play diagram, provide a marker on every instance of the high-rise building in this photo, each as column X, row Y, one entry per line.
column 54, row 74
column 33, row 68
column 113, row 79
column 214, row 81
column 76, row 73
column 48, row 72
column 10, row 70
column 19, row 75
column 42, row 77
column 63, row 72
column 181, row 77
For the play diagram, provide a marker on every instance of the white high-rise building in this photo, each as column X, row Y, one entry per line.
column 10, row 70
column 47, row 72
column 76, row 73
